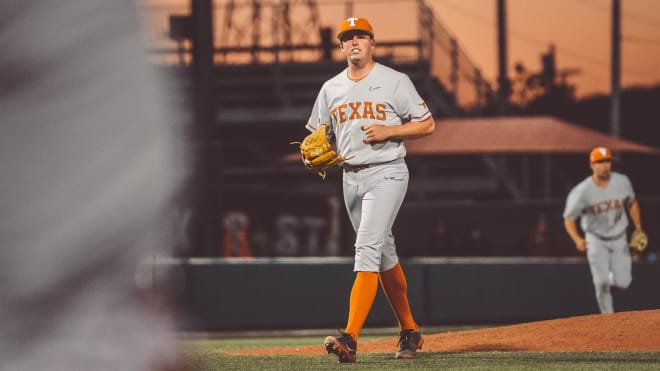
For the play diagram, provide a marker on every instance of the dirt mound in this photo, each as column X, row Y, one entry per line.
column 624, row 331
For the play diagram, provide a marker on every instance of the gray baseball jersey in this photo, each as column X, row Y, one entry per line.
column 602, row 211
column 603, row 218
column 385, row 97
column 374, row 195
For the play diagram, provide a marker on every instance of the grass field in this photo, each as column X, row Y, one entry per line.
column 211, row 354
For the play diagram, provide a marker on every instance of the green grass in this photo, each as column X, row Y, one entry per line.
column 211, row 354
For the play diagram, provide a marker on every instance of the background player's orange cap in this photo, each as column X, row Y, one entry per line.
column 600, row 153
column 353, row 24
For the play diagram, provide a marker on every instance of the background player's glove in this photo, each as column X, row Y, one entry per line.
column 638, row 241
column 317, row 153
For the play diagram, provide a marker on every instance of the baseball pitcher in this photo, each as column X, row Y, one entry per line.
column 369, row 109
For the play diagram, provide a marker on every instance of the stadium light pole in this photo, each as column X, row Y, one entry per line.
column 504, row 87
column 616, row 69
column 207, row 156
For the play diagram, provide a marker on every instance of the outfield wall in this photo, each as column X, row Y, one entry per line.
column 302, row 293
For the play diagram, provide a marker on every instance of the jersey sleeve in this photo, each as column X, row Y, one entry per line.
column 628, row 188
column 320, row 113
column 408, row 104
column 574, row 204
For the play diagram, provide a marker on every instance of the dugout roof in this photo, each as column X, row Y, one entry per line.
column 493, row 167
column 538, row 134
column 510, row 135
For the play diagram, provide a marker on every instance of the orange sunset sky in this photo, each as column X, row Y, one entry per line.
column 579, row 29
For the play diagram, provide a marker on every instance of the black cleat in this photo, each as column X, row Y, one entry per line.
column 409, row 342
column 344, row 346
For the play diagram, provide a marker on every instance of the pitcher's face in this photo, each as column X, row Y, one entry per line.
column 357, row 46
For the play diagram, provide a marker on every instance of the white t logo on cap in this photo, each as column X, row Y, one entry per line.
column 351, row 21
column 603, row 151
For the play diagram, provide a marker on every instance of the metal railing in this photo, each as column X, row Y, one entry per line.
column 283, row 31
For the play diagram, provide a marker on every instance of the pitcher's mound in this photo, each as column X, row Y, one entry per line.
column 624, row 331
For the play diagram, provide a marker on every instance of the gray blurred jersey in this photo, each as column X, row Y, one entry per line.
column 602, row 211
column 87, row 161
column 385, row 97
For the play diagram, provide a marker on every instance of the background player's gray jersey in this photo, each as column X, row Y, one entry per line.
column 385, row 97
column 602, row 211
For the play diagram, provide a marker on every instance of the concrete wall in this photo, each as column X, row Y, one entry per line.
column 299, row 293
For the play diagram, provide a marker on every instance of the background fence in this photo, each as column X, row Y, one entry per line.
column 297, row 293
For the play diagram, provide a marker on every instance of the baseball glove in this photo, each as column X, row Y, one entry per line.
column 317, row 153
column 638, row 241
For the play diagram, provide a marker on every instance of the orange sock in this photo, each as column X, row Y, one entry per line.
column 395, row 287
column 363, row 294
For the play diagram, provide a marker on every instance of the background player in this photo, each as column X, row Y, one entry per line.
column 371, row 108
column 600, row 201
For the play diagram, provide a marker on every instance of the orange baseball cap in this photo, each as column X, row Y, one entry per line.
column 353, row 24
column 600, row 153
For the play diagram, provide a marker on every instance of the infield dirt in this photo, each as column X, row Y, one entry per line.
column 624, row 331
